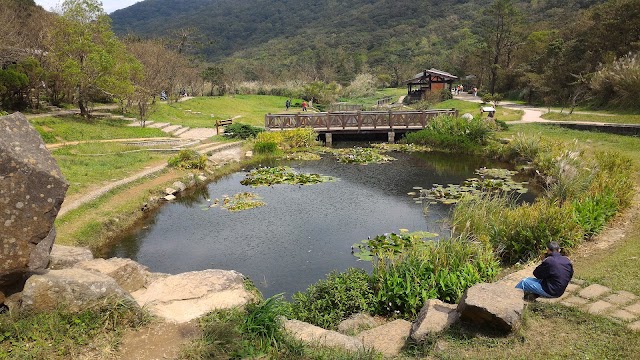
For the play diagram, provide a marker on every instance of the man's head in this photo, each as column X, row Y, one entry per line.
column 553, row 247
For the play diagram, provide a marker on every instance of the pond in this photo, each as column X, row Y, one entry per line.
column 303, row 232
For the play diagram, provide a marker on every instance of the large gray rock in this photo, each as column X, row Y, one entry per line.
column 130, row 275
column 496, row 305
column 184, row 297
column 389, row 339
column 32, row 190
column 434, row 317
column 65, row 257
column 317, row 336
column 72, row 289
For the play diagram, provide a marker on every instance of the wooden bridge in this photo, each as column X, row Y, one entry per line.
column 356, row 122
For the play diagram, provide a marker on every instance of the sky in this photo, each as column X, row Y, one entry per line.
column 109, row 5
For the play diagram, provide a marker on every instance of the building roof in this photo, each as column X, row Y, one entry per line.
column 420, row 77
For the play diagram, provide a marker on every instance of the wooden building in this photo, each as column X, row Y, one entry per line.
column 428, row 81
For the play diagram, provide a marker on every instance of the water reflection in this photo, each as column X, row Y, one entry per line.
column 303, row 232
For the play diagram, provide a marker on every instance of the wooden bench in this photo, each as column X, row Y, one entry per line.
column 224, row 122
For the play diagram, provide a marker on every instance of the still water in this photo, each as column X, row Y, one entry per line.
column 304, row 232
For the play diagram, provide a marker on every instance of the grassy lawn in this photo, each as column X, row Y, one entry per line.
column 368, row 101
column 628, row 145
column 606, row 117
column 74, row 128
column 550, row 332
column 203, row 111
column 502, row 113
column 83, row 169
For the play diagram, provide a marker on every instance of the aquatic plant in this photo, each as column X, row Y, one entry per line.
column 188, row 159
column 489, row 180
column 407, row 148
column 367, row 249
column 267, row 176
column 360, row 155
column 302, row 155
column 237, row 202
column 441, row 269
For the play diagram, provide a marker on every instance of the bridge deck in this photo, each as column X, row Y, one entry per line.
column 355, row 121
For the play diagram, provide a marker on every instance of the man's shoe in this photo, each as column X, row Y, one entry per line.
column 530, row 296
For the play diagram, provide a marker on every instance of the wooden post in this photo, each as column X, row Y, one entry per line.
column 266, row 121
column 455, row 112
column 390, row 120
column 359, row 120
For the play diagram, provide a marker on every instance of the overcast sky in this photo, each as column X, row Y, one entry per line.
column 109, row 5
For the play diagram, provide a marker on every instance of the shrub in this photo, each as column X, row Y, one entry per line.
column 453, row 134
column 617, row 83
column 188, row 159
column 265, row 147
column 517, row 233
column 363, row 85
column 593, row 212
column 330, row 301
column 435, row 269
column 242, row 131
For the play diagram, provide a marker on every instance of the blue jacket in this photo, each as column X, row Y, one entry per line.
column 555, row 272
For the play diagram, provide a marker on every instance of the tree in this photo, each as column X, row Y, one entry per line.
column 92, row 60
column 499, row 32
column 214, row 75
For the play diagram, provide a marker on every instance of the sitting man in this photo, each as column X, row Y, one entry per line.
column 551, row 277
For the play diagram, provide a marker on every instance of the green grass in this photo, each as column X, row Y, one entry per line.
column 83, row 171
column 502, row 113
column 369, row 101
column 616, row 267
column 551, row 331
column 251, row 108
column 62, row 335
column 628, row 145
column 606, row 117
column 74, row 128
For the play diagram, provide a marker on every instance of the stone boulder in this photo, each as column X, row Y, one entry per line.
column 180, row 186
column 65, row 257
column 130, row 275
column 434, row 317
column 184, row 297
column 73, row 289
column 317, row 336
column 388, row 339
column 358, row 322
column 32, row 190
column 467, row 116
column 497, row 305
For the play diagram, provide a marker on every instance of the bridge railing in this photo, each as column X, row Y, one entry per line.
column 361, row 120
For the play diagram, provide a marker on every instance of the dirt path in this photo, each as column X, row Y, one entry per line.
column 74, row 203
column 157, row 341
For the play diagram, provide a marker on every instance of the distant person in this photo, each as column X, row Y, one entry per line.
column 551, row 277
column 287, row 104
column 304, row 105
column 475, row 91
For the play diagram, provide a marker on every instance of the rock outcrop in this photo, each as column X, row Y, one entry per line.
column 73, row 289
column 32, row 190
column 65, row 257
column 130, row 275
column 496, row 305
column 184, row 297
column 434, row 317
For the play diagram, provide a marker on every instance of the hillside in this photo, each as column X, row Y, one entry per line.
column 369, row 30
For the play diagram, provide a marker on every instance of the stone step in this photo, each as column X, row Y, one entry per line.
column 159, row 125
column 136, row 123
column 215, row 147
column 171, row 128
column 181, row 131
column 199, row 133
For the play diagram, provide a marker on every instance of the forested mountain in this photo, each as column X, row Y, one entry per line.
column 275, row 37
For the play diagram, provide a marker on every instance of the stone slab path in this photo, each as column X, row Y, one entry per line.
column 620, row 306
